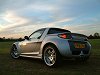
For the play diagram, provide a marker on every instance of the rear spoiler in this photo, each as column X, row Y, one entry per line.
column 79, row 34
column 60, row 33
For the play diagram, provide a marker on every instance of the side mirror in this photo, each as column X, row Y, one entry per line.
column 26, row 37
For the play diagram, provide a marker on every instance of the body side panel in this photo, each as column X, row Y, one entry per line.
column 61, row 44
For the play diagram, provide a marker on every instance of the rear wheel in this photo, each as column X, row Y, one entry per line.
column 14, row 52
column 51, row 56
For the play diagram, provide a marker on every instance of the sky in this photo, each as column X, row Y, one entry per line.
column 22, row 17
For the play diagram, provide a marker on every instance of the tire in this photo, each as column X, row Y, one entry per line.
column 51, row 56
column 14, row 52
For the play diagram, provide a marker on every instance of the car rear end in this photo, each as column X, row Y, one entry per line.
column 69, row 44
column 60, row 43
column 78, row 44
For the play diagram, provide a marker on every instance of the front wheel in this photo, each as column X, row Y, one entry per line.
column 51, row 56
column 14, row 52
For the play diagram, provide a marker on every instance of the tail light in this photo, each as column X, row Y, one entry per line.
column 65, row 36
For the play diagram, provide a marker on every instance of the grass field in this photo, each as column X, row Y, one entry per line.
column 29, row 66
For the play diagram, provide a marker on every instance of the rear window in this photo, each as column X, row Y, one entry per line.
column 56, row 30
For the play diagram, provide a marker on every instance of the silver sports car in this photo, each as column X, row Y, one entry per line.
column 52, row 45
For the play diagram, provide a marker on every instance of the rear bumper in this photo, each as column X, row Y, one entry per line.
column 78, row 56
column 84, row 52
column 67, row 49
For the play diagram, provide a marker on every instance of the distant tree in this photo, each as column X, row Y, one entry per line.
column 96, row 34
column 20, row 39
column 90, row 37
column 4, row 38
column 0, row 38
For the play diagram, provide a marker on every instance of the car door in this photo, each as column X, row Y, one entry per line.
column 30, row 46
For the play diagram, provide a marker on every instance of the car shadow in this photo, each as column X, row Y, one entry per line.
column 69, row 63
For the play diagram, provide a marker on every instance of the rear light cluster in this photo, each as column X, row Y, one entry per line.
column 65, row 36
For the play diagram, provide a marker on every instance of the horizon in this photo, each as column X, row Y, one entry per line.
column 20, row 18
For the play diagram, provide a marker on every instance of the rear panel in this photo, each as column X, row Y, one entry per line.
column 77, row 50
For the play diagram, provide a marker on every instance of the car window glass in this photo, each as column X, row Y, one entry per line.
column 36, row 35
column 56, row 30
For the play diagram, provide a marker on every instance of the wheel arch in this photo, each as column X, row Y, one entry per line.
column 47, row 44
column 17, row 46
column 14, row 44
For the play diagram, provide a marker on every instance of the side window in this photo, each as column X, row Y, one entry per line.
column 37, row 34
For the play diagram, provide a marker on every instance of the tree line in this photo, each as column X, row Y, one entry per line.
column 10, row 39
column 94, row 36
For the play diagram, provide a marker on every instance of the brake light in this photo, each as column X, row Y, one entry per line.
column 64, row 36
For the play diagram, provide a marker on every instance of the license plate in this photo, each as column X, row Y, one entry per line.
column 79, row 45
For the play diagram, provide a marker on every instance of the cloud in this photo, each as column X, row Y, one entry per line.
column 1, row 28
column 24, row 16
column 86, row 29
column 19, row 25
column 12, row 20
column 12, row 24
